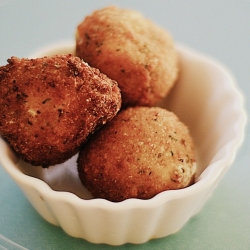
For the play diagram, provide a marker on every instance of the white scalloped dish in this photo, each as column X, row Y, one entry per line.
column 207, row 100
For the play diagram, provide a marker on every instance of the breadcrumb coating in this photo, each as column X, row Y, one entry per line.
column 140, row 153
column 132, row 50
column 49, row 106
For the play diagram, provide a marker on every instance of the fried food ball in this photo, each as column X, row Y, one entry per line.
column 140, row 153
column 49, row 106
column 132, row 50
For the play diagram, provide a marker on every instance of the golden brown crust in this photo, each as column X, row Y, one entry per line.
column 49, row 106
column 132, row 50
column 140, row 153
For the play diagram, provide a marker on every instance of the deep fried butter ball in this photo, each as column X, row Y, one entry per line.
column 140, row 153
column 132, row 50
column 49, row 106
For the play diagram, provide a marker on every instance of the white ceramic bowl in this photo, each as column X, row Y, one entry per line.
column 206, row 98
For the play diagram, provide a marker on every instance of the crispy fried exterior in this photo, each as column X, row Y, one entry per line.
column 140, row 153
column 49, row 106
column 132, row 50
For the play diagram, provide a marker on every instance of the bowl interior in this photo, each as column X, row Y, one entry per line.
column 204, row 98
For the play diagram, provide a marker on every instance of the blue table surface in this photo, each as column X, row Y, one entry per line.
column 218, row 28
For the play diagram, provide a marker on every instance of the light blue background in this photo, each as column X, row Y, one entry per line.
column 220, row 28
